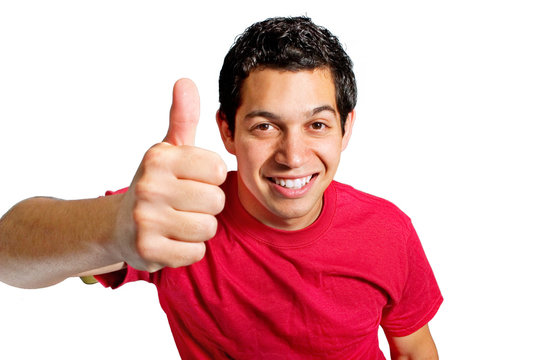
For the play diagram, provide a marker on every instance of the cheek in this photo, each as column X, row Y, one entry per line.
column 329, row 153
column 252, row 155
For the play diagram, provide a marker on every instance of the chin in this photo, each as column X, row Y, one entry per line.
column 291, row 212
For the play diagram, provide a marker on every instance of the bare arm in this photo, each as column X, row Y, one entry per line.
column 163, row 220
column 416, row 346
column 43, row 240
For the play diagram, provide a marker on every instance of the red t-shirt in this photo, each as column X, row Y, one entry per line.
column 317, row 293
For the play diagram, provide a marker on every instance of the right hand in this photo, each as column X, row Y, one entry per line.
column 169, row 210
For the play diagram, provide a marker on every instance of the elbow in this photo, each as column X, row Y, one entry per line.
column 26, row 282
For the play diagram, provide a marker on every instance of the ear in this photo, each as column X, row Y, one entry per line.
column 226, row 134
column 348, row 129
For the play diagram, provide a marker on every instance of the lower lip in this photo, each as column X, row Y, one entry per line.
column 293, row 193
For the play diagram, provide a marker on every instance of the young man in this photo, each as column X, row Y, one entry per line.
column 297, row 265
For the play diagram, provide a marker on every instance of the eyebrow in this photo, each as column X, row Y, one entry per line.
column 323, row 108
column 261, row 113
column 271, row 116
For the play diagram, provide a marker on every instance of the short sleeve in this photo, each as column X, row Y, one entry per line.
column 420, row 297
column 121, row 191
column 118, row 278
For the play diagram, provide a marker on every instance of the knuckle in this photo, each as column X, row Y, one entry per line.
column 150, row 254
column 141, row 189
column 150, row 187
column 207, row 228
column 152, row 155
column 220, row 170
column 144, row 249
column 145, row 225
column 219, row 200
column 198, row 253
column 193, row 254
column 145, row 189
column 156, row 156
column 141, row 216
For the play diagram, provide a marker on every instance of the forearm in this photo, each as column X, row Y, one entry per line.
column 43, row 241
column 414, row 357
column 416, row 346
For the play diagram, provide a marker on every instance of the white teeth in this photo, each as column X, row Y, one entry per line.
column 293, row 183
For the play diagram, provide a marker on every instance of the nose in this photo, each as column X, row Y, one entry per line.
column 293, row 150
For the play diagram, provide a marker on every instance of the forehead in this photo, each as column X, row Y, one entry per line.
column 278, row 89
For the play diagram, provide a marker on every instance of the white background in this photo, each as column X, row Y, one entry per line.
column 448, row 100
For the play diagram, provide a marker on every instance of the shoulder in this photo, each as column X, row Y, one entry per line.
column 377, row 221
column 351, row 199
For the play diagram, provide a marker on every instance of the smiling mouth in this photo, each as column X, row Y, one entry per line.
column 297, row 183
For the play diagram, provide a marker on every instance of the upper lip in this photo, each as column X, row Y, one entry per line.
column 291, row 177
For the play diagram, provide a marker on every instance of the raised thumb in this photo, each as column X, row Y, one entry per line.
column 184, row 116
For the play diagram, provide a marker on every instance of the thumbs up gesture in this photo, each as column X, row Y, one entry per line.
column 169, row 210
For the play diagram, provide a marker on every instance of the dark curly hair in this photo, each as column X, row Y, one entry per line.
column 293, row 44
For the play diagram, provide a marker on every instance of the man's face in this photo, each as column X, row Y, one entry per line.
column 287, row 142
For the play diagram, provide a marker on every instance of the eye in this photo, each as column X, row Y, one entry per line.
column 318, row 125
column 263, row 127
